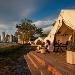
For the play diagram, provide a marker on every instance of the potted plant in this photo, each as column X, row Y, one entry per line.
column 70, row 54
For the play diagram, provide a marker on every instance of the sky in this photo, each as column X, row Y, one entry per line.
column 42, row 12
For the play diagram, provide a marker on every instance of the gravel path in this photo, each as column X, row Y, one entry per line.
column 9, row 67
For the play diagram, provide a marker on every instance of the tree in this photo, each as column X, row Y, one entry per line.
column 26, row 29
column 39, row 31
column 44, row 35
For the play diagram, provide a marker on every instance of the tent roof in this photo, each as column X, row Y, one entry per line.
column 39, row 38
column 68, row 17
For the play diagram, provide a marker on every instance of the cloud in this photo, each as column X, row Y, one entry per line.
column 47, row 29
column 12, row 11
column 15, row 10
column 27, row 12
column 9, row 28
column 45, row 25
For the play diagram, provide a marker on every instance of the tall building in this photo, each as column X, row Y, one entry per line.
column 3, row 37
column 11, row 38
column 7, row 38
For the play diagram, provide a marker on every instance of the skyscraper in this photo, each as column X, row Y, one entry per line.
column 3, row 37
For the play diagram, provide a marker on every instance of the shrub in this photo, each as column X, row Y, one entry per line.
column 71, row 47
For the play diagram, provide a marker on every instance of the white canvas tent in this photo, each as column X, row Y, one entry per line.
column 39, row 38
column 66, row 16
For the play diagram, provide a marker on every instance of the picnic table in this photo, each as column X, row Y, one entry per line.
column 60, row 47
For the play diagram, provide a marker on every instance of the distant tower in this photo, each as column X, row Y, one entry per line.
column 3, row 36
column 7, row 38
column 14, row 39
column 11, row 38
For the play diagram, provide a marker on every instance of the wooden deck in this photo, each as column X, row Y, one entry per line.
column 55, row 63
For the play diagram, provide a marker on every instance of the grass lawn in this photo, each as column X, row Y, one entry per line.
column 14, row 52
column 12, row 61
